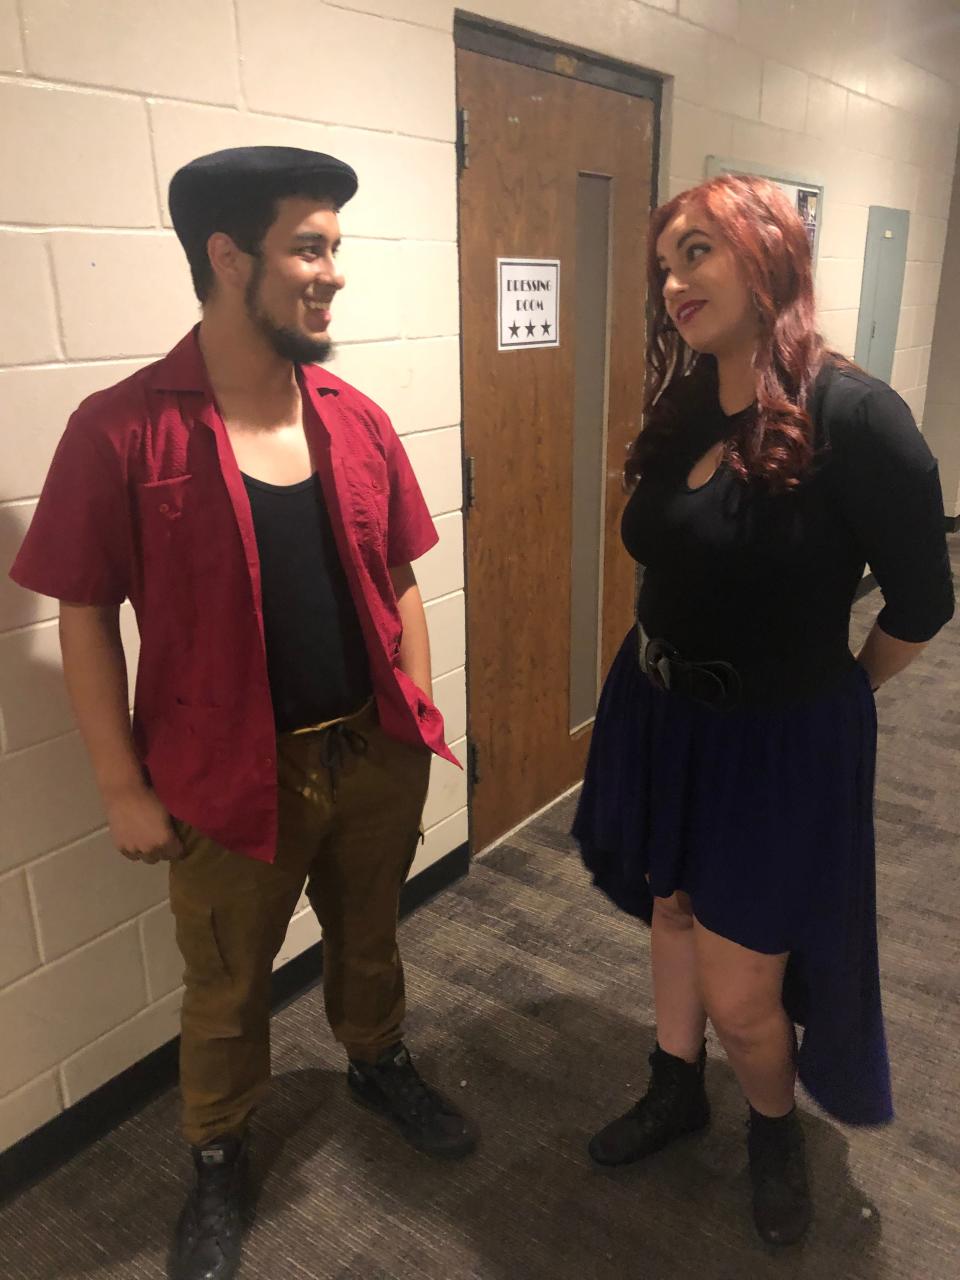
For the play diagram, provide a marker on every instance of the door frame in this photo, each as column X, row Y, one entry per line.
column 478, row 34
column 513, row 44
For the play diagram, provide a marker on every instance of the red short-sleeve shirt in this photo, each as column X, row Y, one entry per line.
column 144, row 500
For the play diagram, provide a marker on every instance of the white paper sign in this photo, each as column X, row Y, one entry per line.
column 528, row 292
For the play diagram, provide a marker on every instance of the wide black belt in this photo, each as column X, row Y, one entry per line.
column 775, row 679
column 715, row 684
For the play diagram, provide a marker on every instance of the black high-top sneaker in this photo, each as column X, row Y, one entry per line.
column 778, row 1171
column 674, row 1104
column 206, row 1244
column 393, row 1087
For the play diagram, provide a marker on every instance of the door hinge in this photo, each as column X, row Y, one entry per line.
column 469, row 483
column 463, row 139
column 473, row 762
column 873, row 330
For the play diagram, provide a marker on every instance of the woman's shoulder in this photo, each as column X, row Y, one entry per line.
column 845, row 388
column 857, row 412
column 853, row 402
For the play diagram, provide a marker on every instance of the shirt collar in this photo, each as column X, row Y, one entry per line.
column 182, row 369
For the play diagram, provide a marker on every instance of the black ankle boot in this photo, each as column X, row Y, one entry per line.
column 778, row 1171
column 393, row 1087
column 206, row 1245
column 675, row 1104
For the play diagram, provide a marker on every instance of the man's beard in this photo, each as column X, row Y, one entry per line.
column 289, row 344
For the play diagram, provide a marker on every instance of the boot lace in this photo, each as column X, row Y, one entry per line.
column 405, row 1084
column 658, row 1104
column 211, row 1201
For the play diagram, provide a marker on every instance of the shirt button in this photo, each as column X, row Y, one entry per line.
column 164, row 507
column 268, row 761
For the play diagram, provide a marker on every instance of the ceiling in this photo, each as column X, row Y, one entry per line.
column 928, row 35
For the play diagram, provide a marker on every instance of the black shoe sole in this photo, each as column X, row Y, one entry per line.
column 177, row 1269
column 466, row 1148
column 646, row 1155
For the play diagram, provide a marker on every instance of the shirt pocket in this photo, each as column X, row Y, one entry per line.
column 165, row 518
column 369, row 496
column 165, row 497
column 197, row 938
column 161, row 505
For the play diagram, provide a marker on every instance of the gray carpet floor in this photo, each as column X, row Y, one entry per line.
column 531, row 1003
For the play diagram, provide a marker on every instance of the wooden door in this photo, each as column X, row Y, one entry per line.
column 535, row 142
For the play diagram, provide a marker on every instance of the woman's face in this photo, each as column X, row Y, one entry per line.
column 706, row 292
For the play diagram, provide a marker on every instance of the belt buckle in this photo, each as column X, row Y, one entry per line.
column 656, row 657
column 662, row 664
column 725, row 684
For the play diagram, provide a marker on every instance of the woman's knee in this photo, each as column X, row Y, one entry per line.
column 744, row 1020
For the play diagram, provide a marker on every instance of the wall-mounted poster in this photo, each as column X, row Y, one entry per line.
column 807, row 203
column 806, row 196
column 528, row 303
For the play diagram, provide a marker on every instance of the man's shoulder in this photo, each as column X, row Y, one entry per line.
column 350, row 399
column 116, row 410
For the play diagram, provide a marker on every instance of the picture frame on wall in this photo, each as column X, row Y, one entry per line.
column 805, row 193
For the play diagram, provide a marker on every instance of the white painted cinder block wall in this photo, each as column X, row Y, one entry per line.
column 100, row 100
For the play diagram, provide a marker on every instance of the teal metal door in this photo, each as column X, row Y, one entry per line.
column 884, row 265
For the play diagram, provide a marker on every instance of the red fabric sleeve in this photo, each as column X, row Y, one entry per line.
column 77, row 548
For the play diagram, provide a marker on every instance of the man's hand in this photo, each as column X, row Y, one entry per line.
column 141, row 828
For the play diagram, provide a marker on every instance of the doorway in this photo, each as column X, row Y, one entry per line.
column 557, row 174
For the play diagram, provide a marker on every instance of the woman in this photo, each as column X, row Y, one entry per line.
column 729, row 791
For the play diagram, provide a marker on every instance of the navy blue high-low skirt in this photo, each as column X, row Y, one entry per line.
column 765, row 818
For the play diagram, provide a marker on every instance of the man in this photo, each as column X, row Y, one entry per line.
column 262, row 516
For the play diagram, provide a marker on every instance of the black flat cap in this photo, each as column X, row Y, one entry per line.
column 207, row 188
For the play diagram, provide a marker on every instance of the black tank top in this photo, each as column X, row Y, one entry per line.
column 316, row 658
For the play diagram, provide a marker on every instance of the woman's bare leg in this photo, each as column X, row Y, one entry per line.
column 681, row 1017
column 742, row 993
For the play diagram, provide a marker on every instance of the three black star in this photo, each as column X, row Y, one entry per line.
column 514, row 330
column 546, row 327
column 531, row 329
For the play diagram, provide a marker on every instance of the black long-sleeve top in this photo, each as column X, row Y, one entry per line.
column 766, row 581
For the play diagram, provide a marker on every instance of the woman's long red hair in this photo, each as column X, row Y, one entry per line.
column 770, row 242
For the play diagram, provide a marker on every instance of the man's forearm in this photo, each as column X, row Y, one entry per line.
column 415, row 641
column 95, row 671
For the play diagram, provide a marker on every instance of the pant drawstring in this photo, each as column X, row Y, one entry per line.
column 334, row 743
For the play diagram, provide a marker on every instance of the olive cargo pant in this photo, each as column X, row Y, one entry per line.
column 351, row 800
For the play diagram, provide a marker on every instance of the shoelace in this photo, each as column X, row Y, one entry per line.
column 334, row 744
column 211, row 1200
column 412, row 1090
column 656, row 1104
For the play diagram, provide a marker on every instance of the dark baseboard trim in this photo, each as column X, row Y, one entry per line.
column 438, row 876
column 40, row 1152
column 61, row 1138
column 953, row 524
